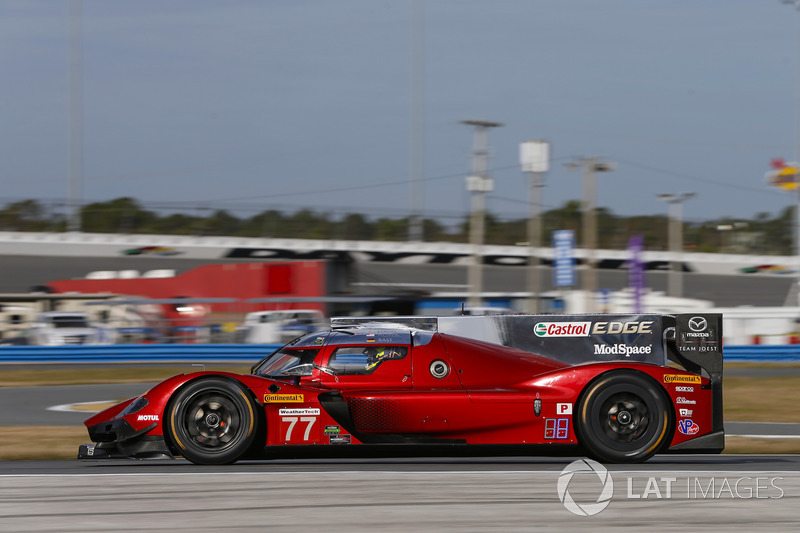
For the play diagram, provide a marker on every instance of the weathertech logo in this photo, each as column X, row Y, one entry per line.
column 680, row 378
column 562, row 329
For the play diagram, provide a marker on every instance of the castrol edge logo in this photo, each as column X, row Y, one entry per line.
column 584, row 329
column 562, row 329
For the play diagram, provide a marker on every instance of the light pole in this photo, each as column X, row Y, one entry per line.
column 675, row 201
column 589, row 166
column 796, row 232
column 417, row 129
column 478, row 184
column 75, row 189
column 535, row 159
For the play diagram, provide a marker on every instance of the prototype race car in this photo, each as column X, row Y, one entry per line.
column 601, row 384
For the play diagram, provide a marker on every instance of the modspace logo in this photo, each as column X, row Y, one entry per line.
column 562, row 329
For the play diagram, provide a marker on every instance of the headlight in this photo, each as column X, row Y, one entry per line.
column 137, row 405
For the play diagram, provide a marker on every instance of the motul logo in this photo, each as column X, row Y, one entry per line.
column 562, row 329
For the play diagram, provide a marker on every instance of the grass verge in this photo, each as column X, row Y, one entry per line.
column 43, row 376
column 751, row 445
column 41, row 442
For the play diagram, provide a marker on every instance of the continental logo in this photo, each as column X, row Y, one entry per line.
column 283, row 398
column 584, row 329
column 680, row 378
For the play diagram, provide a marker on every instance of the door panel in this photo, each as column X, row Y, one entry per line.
column 369, row 368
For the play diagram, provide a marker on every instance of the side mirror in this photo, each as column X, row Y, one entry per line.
column 325, row 370
column 299, row 370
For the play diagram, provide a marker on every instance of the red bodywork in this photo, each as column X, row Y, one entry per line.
column 447, row 390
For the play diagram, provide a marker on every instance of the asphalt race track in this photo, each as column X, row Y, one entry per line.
column 50, row 405
column 508, row 493
column 668, row 493
column 431, row 493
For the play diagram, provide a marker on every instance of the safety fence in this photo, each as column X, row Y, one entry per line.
column 215, row 353
column 136, row 353
column 763, row 353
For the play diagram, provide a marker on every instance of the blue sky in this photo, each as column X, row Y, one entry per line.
column 304, row 103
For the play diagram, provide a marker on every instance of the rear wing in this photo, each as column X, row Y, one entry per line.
column 695, row 343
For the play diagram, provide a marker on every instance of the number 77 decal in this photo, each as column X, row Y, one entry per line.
column 292, row 420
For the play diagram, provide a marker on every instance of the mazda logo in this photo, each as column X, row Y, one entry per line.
column 698, row 323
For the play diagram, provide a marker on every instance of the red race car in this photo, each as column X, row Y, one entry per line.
column 598, row 383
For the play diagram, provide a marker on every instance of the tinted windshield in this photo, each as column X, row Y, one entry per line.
column 300, row 351
column 282, row 360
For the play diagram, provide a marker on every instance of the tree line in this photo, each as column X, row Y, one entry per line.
column 765, row 234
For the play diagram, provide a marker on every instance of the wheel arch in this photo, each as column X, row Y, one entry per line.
column 259, row 416
column 669, row 431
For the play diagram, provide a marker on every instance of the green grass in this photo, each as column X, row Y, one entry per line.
column 46, row 375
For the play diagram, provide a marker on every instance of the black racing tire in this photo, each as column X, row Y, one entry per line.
column 211, row 421
column 623, row 417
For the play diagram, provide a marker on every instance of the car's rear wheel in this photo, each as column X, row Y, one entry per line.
column 211, row 421
column 623, row 417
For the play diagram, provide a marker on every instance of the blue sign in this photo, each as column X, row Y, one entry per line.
column 564, row 261
column 636, row 271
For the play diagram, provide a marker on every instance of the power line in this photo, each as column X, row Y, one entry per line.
column 762, row 190
column 674, row 142
column 346, row 188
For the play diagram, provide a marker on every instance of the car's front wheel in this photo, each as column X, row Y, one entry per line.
column 623, row 418
column 211, row 421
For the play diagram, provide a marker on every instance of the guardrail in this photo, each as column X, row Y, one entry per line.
column 136, row 353
column 214, row 353
column 777, row 353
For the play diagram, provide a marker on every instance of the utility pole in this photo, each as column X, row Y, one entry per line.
column 589, row 166
column 535, row 159
column 675, row 202
column 796, row 234
column 478, row 184
column 75, row 117
column 417, row 130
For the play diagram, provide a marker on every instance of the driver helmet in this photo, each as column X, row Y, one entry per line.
column 376, row 354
